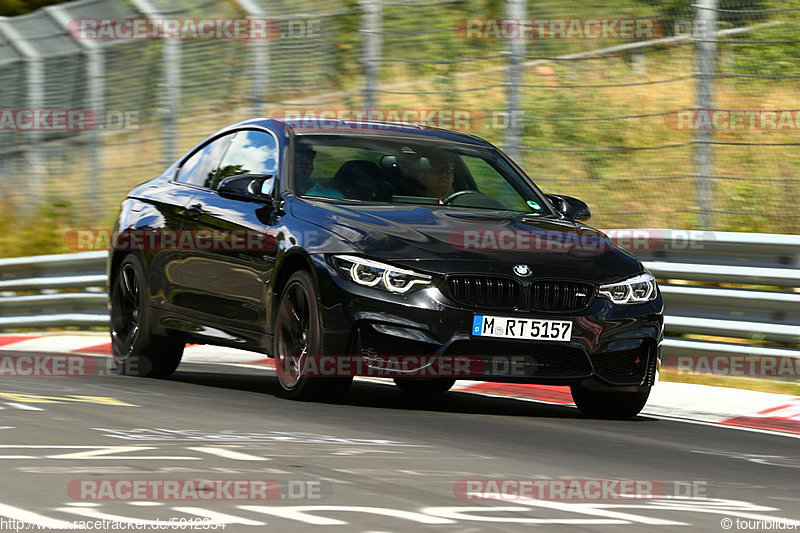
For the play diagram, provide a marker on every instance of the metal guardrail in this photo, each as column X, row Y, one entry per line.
column 708, row 279
column 53, row 290
column 701, row 275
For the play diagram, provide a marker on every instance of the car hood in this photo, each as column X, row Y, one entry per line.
column 446, row 240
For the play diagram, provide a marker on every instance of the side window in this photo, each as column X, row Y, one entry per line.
column 200, row 168
column 251, row 152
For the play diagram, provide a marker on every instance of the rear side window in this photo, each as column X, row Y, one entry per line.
column 251, row 152
column 201, row 167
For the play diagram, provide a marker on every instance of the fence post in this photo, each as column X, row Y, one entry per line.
column 259, row 60
column 705, row 57
column 34, row 81
column 515, row 10
column 95, row 77
column 371, row 51
column 171, row 71
column 172, row 82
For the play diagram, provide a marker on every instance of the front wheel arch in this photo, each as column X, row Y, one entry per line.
column 290, row 264
column 306, row 336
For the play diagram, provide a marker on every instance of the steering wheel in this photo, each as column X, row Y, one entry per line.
column 469, row 198
column 458, row 194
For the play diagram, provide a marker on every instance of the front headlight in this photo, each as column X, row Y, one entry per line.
column 636, row 290
column 374, row 274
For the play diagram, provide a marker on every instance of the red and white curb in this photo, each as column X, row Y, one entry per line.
column 720, row 406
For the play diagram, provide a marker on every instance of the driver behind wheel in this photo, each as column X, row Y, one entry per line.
column 433, row 175
column 437, row 175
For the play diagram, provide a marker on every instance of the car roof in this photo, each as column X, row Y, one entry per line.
column 322, row 126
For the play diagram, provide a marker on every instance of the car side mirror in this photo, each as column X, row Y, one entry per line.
column 245, row 187
column 569, row 207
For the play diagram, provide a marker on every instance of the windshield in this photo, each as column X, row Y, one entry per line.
column 399, row 171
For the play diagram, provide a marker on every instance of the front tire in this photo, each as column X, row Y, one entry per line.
column 137, row 351
column 298, row 334
column 608, row 404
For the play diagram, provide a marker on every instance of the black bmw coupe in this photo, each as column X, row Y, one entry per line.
column 345, row 248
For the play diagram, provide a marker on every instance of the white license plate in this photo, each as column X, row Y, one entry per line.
column 521, row 328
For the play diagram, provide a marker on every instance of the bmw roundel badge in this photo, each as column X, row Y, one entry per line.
column 522, row 271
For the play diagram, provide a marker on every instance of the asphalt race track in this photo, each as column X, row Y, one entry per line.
column 381, row 460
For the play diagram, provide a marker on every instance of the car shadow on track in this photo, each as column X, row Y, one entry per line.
column 376, row 395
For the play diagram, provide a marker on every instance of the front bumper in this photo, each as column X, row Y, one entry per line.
column 611, row 345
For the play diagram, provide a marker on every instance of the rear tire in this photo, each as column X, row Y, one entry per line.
column 137, row 351
column 298, row 333
column 608, row 404
column 425, row 386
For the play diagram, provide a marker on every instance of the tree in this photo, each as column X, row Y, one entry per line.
column 733, row 13
column 10, row 8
